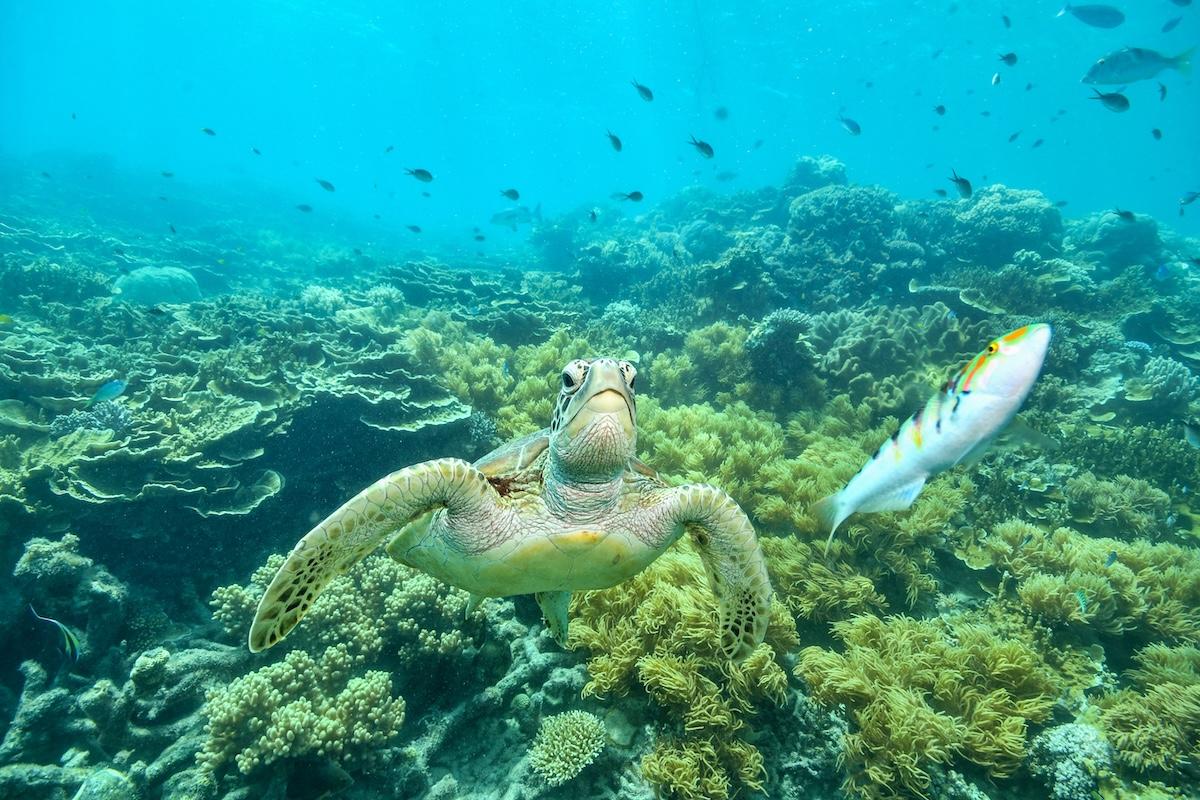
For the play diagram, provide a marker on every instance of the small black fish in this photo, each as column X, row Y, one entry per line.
column 614, row 140
column 703, row 148
column 1013, row 137
column 172, row 227
column 324, row 184
column 479, row 237
column 389, row 149
column 511, row 194
column 1170, row 24
column 1007, row 22
column 163, row 197
column 1028, row 86
column 1156, row 133
column 962, row 184
column 166, row 174
column 1111, row 559
column 426, row 194
column 852, row 127
column 1009, row 58
column 256, row 151
column 1162, row 92
column 721, row 113
column 635, row 196
column 985, row 113
column 414, row 228
column 1189, row 198
column 1060, row 203
column 643, row 91
column 357, row 252
column 376, row 216
column 757, row 144
column 73, row 115
column 45, row 174
column 423, row 175
column 157, row 311
column 208, row 131
column 1113, row 101
column 305, row 207
column 939, row 110
column 1182, row 3
column 1128, row 216
column 940, row 192
column 593, row 215
column 1036, row 144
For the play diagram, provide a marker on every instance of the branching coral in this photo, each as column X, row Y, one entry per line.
column 565, row 744
column 927, row 692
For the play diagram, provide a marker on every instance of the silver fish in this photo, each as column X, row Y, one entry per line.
column 521, row 215
column 1131, row 64
column 1095, row 15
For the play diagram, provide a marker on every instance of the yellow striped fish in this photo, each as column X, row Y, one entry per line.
column 956, row 425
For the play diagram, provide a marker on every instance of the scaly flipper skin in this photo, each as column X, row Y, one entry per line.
column 737, row 571
column 356, row 529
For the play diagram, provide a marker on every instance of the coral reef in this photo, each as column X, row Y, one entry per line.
column 565, row 744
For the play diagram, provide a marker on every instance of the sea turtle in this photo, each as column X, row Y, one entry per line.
column 565, row 509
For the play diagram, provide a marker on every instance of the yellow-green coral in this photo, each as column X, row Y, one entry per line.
column 565, row 744
column 1154, row 587
column 1156, row 724
column 658, row 631
column 929, row 691
column 297, row 707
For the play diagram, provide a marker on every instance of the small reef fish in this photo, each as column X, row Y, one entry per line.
column 414, row 228
column 940, row 192
column 511, row 194
column 1097, row 16
column 614, row 140
column 721, row 113
column 1009, row 59
column 256, row 151
column 1037, row 143
column 1170, row 24
column 939, row 110
column 1112, row 559
column 1007, row 22
column 1128, row 216
column 423, row 175
column 1131, row 64
column 995, row 82
column 1191, row 433
column 521, row 215
column 1156, row 133
column 6, row 320
column 305, row 207
column 634, row 196
column 1113, row 101
column 70, row 640
column 852, row 127
column 166, row 174
column 326, row 185
column 955, row 426
column 643, row 91
column 1013, row 137
column 703, row 148
column 208, row 131
column 593, row 215
column 109, row 391
column 1188, row 198
column 962, row 184
column 1081, row 596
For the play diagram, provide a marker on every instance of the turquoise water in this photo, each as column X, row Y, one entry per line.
column 256, row 257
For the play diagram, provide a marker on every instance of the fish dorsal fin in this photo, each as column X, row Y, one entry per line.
column 554, row 610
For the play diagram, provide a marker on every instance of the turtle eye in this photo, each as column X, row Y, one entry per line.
column 629, row 372
column 572, row 375
column 568, row 381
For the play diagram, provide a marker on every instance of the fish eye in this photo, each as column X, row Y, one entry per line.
column 993, row 348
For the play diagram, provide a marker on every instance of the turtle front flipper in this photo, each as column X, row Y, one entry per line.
column 347, row 535
column 737, row 571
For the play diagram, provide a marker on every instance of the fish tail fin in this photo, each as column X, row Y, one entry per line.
column 1183, row 62
column 1066, row 7
column 828, row 511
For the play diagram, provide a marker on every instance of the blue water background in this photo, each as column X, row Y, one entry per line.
column 489, row 96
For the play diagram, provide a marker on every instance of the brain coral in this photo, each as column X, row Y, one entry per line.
column 565, row 744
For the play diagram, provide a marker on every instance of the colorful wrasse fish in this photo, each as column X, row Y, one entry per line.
column 1081, row 596
column 70, row 640
column 956, row 425
column 109, row 391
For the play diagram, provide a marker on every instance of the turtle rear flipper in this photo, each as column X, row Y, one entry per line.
column 737, row 571
column 347, row 535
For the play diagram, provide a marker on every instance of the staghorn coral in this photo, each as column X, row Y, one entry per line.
column 928, row 692
column 565, row 744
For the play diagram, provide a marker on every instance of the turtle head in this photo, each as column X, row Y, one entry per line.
column 593, row 433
